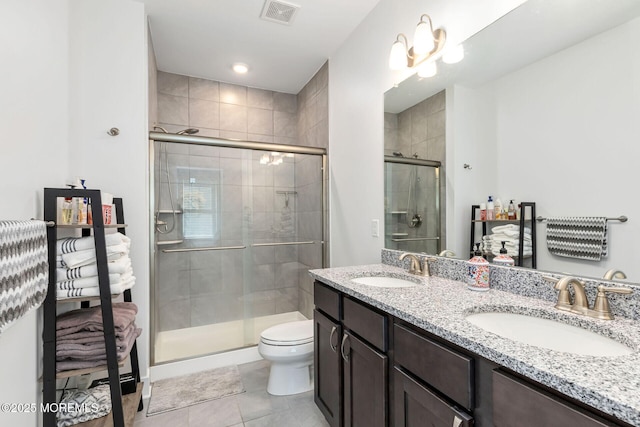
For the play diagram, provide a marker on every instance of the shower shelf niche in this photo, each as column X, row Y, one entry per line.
column 398, row 212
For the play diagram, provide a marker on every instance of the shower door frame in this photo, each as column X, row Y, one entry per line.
column 437, row 165
column 229, row 143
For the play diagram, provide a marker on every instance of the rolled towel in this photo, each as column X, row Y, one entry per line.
column 81, row 258
column 94, row 291
column 118, row 266
column 75, row 244
column 90, row 319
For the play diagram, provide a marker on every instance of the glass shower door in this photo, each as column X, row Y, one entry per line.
column 412, row 206
column 236, row 231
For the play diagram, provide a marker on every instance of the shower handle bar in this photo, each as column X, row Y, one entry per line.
column 310, row 242
column 214, row 248
column 415, row 239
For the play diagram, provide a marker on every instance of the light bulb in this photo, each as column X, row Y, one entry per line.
column 240, row 68
column 423, row 42
column 428, row 69
column 453, row 54
column 398, row 56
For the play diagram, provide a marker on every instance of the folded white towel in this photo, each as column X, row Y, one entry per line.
column 86, row 257
column 94, row 291
column 74, row 244
column 509, row 227
column 119, row 266
column 85, row 282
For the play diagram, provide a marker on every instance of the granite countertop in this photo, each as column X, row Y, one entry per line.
column 439, row 306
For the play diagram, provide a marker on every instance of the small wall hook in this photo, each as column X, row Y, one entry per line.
column 467, row 166
column 113, row 132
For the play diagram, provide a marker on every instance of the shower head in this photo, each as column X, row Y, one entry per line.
column 398, row 154
column 160, row 129
column 189, row 131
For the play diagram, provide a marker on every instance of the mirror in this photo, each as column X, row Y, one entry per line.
column 544, row 107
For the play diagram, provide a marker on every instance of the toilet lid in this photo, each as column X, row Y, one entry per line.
column 291, row 333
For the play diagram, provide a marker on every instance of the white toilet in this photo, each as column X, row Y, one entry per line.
column 289, row 348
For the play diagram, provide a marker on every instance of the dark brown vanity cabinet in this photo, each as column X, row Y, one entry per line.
column 351, row 367
column 434, row 384
column 374, row 370
column 519, row 403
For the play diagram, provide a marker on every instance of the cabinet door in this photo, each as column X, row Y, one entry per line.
column 415, row 405
column 365, row 384
column 328, row 368
column 518, row 403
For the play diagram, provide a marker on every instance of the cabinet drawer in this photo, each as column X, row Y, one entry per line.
column 327, row 299
column 416, row 405
column 367, row 323
column 444, row 369
column 517, row 403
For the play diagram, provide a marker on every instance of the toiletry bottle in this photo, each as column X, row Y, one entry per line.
column 67, row 211
column 490, row 210
column 503, row 258
column 512, row 211
column 478, row 272
column 483, row 212
column 498, row 209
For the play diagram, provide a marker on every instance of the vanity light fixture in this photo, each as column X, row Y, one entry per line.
column 427, row 42
column 240, row 68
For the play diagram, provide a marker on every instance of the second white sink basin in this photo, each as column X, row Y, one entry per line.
column 548, row 334
column 384, row 282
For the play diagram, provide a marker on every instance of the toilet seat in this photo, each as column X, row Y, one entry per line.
column 289, row 334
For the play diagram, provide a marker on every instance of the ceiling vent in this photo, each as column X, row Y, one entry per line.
column 279, row 11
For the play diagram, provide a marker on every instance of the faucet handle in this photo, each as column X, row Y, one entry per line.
column 601, row 306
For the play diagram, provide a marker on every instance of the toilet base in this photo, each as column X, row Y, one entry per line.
column 285, row 380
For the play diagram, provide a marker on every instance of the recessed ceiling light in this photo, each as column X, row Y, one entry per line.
column 240, row 68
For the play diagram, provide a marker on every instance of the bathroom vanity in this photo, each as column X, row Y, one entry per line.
column 405, row 355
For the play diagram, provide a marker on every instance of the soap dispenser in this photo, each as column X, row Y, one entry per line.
column 478, row 272
column 504, row 259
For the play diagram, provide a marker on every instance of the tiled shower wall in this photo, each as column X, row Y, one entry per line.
column 420, row 130
column 279, row 281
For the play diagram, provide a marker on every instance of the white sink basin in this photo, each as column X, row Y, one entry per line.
column 384, row 282
column 548, row 334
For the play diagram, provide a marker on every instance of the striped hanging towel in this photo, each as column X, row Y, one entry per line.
column 577, row 237
column 24, row 269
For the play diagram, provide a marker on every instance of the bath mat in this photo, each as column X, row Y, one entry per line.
column 180, row 392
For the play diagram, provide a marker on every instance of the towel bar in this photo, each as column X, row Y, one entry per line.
column 621, row 218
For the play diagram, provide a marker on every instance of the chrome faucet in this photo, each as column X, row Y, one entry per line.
column 601, row 308
column 614, row 274
column 415, row 267
column 447, row 253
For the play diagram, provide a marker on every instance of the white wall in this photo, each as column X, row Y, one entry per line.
column 71, row 70
column 566, row 137
column 358, row 78
column 34, row 122
column 109, row 87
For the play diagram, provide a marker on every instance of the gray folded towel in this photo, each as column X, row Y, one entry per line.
column 90, row 319
column 95, row 350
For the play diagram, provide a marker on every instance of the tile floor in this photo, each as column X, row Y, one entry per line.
column 253, row 408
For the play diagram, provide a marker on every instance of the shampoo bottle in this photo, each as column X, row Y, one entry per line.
column 511, row 214
column 483, row 212
column 498, row 209
column 490, row 210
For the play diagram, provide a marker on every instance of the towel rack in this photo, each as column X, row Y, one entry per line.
column 621, row 218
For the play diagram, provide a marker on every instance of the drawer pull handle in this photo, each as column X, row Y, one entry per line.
column 457, row 422
column 344, row 356
column 333, row 347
